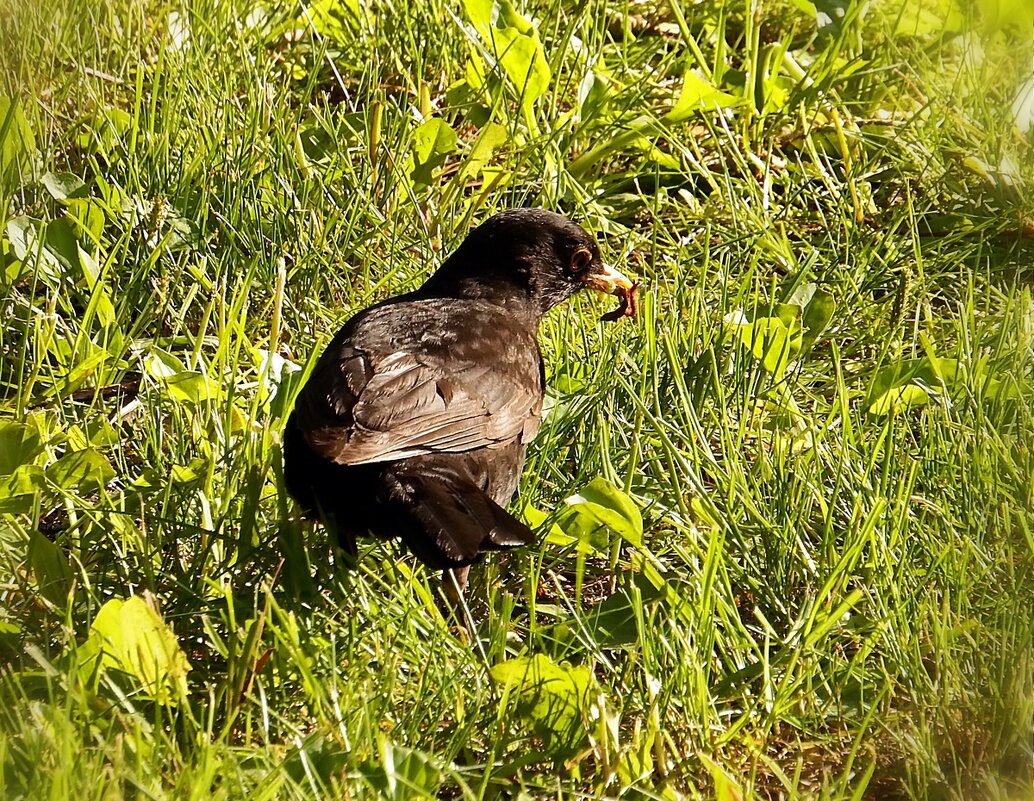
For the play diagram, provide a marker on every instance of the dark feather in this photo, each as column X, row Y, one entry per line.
column 415, row 420
column 447, row 521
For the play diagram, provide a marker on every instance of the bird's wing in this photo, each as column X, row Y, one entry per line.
column 362, row 407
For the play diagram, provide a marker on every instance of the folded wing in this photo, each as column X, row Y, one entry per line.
column 364, row 407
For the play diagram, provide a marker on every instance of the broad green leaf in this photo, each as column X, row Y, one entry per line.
column 333, row 19
column 179, row 233
column 899, row 398
column 111, row 127
column 553, row 700
column 993, row 388
column 315, row 144
column 84, row 471
column 433, row 142
column 474, row 73
column 100, row 301
column 801, row 295
column 514, row 43
column 149, row 480
column 570, row 379
column 789, row 314
column 579, row 525
column 64, row 185
column 1017, row 15
column 49, row 424
column 51, row 569
column 907, row 383
column 11, row 270
column 131, row 637
column 19, row 445
column 96, row 431
column 16, row 142
column 402, row 773
column 594, row 94
column 776, row 344
column 1023, row 107
column 949, row 373
column 698, row 94
column 818, row 314
column 18, row 490
column 910, row 382
column 525, row 64
column 725, row 786
column 183, row 386
column 776, row 92
column 188, row 473
column 636, row 763
column 61, row 242
column 774, row 341
column 536, row 518
column 479, row 12
column 53, row 244
column 812, row 307
column 316, row 756
column 925, row 18
column 188, row 387
column 87, row 215
column 87, row 363
column 611, row 507
column 21, row 236
column 161, row 364
column 491, row 137
column 509, row 17
column 11, row 638
column 277, row 375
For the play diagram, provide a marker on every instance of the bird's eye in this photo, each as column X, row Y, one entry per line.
column 580, row 260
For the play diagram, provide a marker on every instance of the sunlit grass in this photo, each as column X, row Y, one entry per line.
column 830, row 593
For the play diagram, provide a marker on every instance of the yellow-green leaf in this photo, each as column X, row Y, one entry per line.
column 554, row 700
column 85, row 471
column 514, row 44
column 607, row 505
column 698, row 94
column 774, row 341
column 130, row 636
column 433, row 142
column 51, row 569
column 16, row 141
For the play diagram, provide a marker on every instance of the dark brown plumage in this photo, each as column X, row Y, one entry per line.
column 415, row 421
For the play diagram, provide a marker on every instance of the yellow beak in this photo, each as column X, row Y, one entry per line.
column 607, row 280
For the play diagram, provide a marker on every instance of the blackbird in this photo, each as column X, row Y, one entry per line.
column 415, row 420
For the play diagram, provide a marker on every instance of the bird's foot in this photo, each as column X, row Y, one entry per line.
column 454, row 585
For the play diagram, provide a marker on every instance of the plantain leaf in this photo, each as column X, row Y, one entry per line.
column 514, row 45
column 131, row 637
column 19, row 445
column 84, row 471
column 433, row 142
column 17, row 143
column 603, row 504
column 51, row 569
column 698, row 94
column 64, row 185
column 553, row 700
column 774, row 341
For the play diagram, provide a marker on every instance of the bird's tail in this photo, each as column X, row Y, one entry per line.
column 447, row 521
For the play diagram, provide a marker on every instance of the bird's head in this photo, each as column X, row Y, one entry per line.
column 530, row 255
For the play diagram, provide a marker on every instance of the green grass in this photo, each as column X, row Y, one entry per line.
column 823, row 414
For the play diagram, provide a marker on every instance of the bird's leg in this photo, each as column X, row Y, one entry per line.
column 454, row 582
